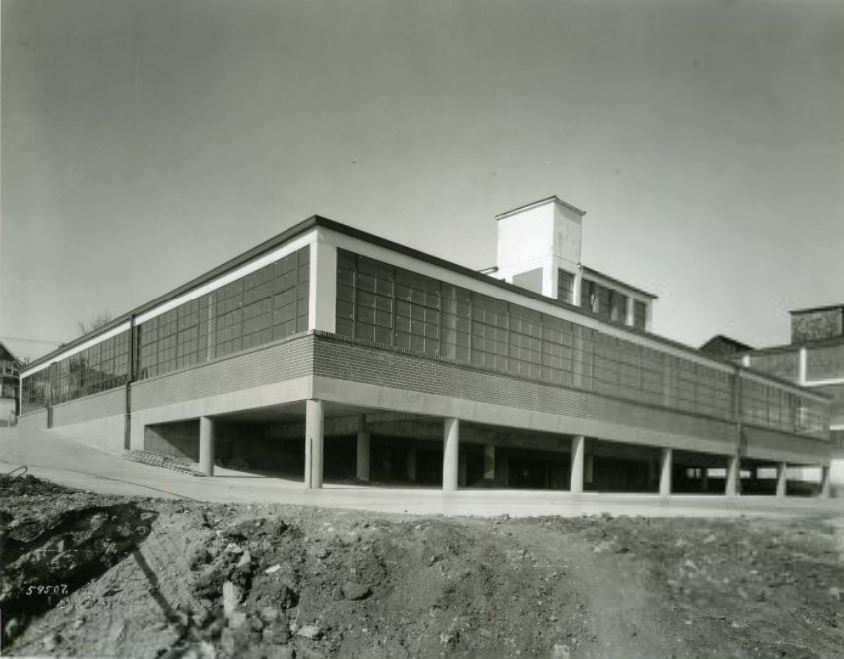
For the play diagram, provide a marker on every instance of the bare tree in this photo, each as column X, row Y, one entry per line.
column 102, row 318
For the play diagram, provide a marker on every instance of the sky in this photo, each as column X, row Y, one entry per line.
column 145, row 142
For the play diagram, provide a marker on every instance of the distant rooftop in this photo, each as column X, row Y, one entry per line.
column 592, row 271
column 831, row 307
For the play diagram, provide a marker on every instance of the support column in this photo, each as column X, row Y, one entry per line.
column 451, row 449
column 363, row 449
column 411, row 464
column 732, row 485
column 665, row 465
column 825, row 482
column 322, row 294
column 314, row 438
column 462, row 469
column 489, row 462
column 704, row 479
column 206, row 445
column 781, row 480
column 578, row 444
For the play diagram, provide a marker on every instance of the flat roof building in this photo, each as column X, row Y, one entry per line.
column 330, row 352
column 813, row 359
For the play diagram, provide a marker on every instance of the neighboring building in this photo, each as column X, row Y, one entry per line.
column 9, row 370
column 327, row 351
column 814, row 359
column 724, row 347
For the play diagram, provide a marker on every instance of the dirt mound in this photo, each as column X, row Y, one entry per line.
column 156, row 578
column 17, row 484
column 49, row 558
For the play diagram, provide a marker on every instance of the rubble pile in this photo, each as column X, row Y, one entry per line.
column 164, row 578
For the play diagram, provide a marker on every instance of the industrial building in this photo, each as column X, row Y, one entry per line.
column 814, row 358
column 327, row 352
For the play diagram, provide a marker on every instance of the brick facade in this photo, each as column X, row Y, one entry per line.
column 288, row 359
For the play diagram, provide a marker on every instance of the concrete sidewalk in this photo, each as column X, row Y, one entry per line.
column 76, row 465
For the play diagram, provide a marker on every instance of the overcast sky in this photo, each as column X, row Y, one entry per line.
column 146, row 141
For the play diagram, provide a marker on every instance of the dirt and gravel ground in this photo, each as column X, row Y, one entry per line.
column 90, row 575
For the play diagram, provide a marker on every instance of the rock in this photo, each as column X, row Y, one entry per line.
column 337, row 594
column 355, row 591
column 201, row 617
column 268, row 614
column 51, row 642
column 273, row 569
column 311, row 632
column 227, row 641
column 245, row 562
column 231, row 597
column 78, row 622
column 320, row 552
column 201, row 650
column 280, row 652
column 237, row 619
column 233, row 548
column 309, row 653
column 287, row 597
column 560, row 652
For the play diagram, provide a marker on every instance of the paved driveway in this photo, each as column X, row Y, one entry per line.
column 73, row 464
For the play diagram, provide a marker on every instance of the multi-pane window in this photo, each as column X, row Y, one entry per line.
column 456, row 318
column 640, row 313
column 784, row 365
column 379, row 302
column 589, row 295
column 565, row 286
column 268, row 304
column 525, row 342
column 100, row 367
column 774, row 407
column 34, row 391
column 618, row 307
column 489, row 332
column 604, row 301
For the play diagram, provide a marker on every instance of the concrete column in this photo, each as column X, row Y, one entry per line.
column 666, row 461
column 704, row 479
column 801, row 367
column 411, row 464
column 363, row 448
column 578, row 444
column 489, row 462
column 825, row 482
column 314, row 423
column 578, row 286
column 322, row 302
column 461, row 466
column 206, row 445
column 451, row 450
column 732, row 486
column 781, row 480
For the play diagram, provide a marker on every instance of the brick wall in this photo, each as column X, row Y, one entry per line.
column 818, row 324
column 286, row 360
column 349, row 359
column 97, row 406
